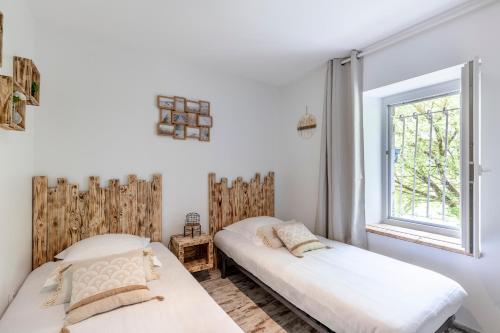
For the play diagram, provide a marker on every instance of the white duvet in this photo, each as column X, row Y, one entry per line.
column 187, row 307
column 351, row 290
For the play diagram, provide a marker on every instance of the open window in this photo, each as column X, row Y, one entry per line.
column 430, row 160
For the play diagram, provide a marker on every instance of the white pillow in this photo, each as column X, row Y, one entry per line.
column 102, row 245
column 248, row 227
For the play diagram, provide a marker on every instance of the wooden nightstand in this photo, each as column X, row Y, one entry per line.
column 196, row 253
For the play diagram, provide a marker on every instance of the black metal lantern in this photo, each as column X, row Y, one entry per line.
column 192, row 226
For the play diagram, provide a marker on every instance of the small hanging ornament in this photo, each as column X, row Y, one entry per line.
column 307, row 125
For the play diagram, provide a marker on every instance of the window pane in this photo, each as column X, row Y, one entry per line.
column 425, row 179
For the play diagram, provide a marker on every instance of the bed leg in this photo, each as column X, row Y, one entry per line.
column 223, row 260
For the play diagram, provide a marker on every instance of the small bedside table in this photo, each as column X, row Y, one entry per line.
column 196, row 253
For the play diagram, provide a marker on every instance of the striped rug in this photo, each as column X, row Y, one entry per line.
column 252, row 308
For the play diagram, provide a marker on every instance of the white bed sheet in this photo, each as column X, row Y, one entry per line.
column 187, row 307
column 349, row 289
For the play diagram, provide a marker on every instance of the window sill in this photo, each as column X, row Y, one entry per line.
column 418, row 237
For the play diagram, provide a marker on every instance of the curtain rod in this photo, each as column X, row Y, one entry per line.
column 423, row 26
column 348, row 59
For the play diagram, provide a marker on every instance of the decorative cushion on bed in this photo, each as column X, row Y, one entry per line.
column 61, row 278
column 269, row 236
column 248, row 227
column 297, row 238
column 106, row 283
column 150, row 262
column 102, row 245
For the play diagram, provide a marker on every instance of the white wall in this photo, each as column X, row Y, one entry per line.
column 450, row 44
column 297, row 191
column 16, row 161
column 98, row 117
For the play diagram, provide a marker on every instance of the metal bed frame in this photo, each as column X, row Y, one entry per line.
column 225, row 261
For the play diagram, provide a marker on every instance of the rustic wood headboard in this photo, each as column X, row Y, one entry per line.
column 63, row 215
column 244, row 199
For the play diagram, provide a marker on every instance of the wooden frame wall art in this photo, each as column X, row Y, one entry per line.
column 165, row 102
column 12, row 106
column 204, row 121
column 22, row 89
column 180, row 104
column 166, row 129
column 183, row 118
column 64, row 215
column 204, row 134
column 192, row 132
column 27, row 79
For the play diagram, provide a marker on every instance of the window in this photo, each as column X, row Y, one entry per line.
column 425, row 160
column 428, row 163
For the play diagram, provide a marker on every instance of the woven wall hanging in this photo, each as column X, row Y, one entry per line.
column 307, row 125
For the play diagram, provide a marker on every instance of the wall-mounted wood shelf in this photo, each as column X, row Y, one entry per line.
column 34, row 95
column 27, row 79
column 6, row 106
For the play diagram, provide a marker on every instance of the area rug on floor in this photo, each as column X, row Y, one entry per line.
column 251, row 307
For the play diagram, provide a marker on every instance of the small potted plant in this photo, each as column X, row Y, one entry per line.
column 35, row 87
column 17, row 97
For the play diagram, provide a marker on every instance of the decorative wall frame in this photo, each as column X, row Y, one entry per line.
column 179, row 118
column 204, row 108
column 165, row 102
column 165, row 116
column 183, row 118
column 193, row 106
column 204, row 121
column 180, row 132
column 192, row 119
column 180, row 104
column 204, row 134
column 192, row 132
column 166, row 129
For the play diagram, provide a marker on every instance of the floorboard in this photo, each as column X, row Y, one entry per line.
column 251, row 307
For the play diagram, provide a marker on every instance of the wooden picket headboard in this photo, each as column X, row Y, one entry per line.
column 63, row 215
column 244, row 199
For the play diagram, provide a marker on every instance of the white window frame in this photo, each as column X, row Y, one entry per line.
column 388, row 103
column 471, row 157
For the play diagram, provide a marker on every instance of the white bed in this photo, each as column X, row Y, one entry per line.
column 187, row 307
column 349, row 289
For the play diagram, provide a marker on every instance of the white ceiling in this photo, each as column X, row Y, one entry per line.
column 273, row 41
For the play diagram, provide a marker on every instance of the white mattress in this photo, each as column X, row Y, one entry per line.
column 349, row 289
column 187, row 307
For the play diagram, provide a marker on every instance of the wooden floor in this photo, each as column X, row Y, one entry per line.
column 252, row 308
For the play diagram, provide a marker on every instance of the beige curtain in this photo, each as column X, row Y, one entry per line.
column 341, row 203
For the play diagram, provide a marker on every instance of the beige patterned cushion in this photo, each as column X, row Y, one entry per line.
column 64, row 277
column 297, row 238
column 103, row 284
column 62, row 292
column 149, row 265
column 269, row 237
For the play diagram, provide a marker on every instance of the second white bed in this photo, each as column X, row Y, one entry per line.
column 349, row 289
